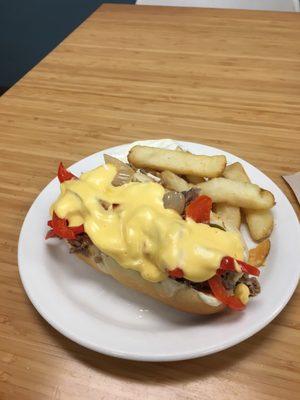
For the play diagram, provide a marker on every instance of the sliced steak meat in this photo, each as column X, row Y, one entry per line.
column 252, row 284
column 199, row 286
column 81, row 244
column 191, row 195
column 229, row 279
column 98, row 258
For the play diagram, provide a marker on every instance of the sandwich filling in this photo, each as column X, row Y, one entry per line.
column 131, row 224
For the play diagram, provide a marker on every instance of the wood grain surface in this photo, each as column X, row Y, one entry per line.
column 225, row 78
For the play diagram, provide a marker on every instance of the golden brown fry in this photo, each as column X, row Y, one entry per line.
column 237, row 194
column 174, row 182
column 179, row 162
column 258, row 254
column 229, row 213
column 260, row 223
column 236, row 172
column 194, row 179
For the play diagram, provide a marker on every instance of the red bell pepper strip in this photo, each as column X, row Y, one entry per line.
column 61, row 229
column 199, row 209
column 64, row 175
column 227, row 264
column 249, row 269
column 77, row 229
column 235, row 303
column 218, row 290
column 50, row 234
column 176, row 273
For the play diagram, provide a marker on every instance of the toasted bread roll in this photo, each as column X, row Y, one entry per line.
column 170, row 292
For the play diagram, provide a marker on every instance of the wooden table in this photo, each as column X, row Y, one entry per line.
column 225, row 78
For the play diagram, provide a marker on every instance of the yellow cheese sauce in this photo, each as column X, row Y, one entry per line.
column 140, row 233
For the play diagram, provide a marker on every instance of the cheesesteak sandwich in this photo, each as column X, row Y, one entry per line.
column 125, row 221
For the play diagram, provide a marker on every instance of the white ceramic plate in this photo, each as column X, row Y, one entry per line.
column 97, row 312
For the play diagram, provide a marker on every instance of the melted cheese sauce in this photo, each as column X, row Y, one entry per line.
column 140, row 233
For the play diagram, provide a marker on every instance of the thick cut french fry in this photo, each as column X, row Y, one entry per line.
column 237, row 194
column 179, row 162
column 172, row 181
column 258, row 255
column 194, row 179
column 229, row 213
column 260, row 223
column 236, row 172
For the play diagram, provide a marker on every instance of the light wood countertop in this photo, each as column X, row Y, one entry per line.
column 225, row 78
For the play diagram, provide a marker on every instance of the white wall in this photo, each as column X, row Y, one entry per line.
column 277, row 5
